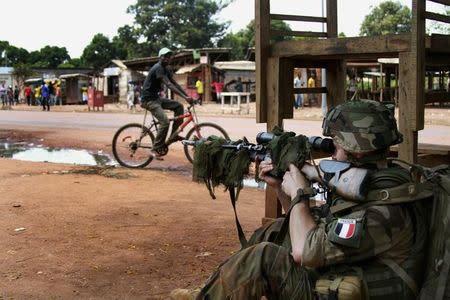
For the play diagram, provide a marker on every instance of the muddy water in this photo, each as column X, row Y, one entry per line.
column 38, row 153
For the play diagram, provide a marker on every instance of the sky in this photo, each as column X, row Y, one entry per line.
column 32, row 24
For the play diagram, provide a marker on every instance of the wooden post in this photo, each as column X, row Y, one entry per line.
column 262, row 43
column 417, row 60
column 408, row 149
column 332, row 28
column 207, row 89
column 336, row 82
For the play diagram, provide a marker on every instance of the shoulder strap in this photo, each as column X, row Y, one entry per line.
column 241, row 234
column 401, row 273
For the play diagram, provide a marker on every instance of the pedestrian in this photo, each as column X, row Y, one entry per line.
column 58, row 94
column 10, row 96
column 45, row 96
column 84, row 94
column 311, row 96
column 16, row 95
column 298, row 83
column 130, row 95
column 218, row 88
column 159, row 75
column 238, row 87
column 199, row 88
column 37, row 95
column 315, row 251
column 3, row 95
column 27, row 92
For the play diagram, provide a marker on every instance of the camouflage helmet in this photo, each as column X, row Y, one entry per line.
column 362, row 126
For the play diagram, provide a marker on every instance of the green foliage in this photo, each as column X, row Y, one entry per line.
column 176, row 24
column 21, row 72
column 53, row 56
column 126, row 42
column 387, row 18
column 439, row 27
column 244, row 39
column 100, row 52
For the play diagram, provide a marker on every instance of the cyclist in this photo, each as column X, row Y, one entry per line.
column 156, row 103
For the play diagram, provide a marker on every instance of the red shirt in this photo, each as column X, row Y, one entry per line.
column 27, row 91
column 218, row 86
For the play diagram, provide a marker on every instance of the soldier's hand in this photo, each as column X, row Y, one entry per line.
column 293, row 180
column 265, row 167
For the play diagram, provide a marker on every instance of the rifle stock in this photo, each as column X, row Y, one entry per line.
column 350, row 184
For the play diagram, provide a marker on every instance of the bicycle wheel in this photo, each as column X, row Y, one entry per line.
column 132, row 144
column 202, row 130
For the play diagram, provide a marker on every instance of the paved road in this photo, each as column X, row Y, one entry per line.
column 236, row 127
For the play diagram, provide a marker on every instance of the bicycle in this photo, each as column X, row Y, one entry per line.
column 132, row 143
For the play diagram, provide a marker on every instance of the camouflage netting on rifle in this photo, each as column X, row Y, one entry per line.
column 286, row 148
column 216, row 165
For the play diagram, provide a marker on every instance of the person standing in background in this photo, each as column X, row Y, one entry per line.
column 45, row 100
column 298, row 83
column 311, row 96
column 199, row 86
column 27, row 91
column 58, row 94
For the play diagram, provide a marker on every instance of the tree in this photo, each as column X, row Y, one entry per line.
column 177, row 23
column 21, row 72
column 48, row 57
column 126, row 41
column 16, row 55
column 244, row 39
column 99, row 52
column 439, row 27
column 387, row 18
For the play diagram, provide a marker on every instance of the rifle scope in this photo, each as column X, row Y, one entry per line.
column 317, row 143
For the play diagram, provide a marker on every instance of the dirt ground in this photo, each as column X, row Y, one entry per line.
column 88, row 233
column 71, row 232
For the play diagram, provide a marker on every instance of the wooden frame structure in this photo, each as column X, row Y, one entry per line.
column 275, row 63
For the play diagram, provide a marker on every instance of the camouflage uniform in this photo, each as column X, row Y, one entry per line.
column 356, row 241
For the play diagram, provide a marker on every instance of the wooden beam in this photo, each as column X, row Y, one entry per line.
column 297, row 18
column 262, row 43
column 315, row 90
column 437, row 17
column 439, row 43
column 332, row 27
column 274, row 32
column 385, row 45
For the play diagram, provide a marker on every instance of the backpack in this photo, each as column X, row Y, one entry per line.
column 437, row 273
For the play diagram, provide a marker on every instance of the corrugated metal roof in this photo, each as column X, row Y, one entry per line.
column 73, row 75
column 244, row 65
column 187, row 69
column 6, row 70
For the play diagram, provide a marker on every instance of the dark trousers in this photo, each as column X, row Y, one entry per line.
column 45, row 103
column 157, row 107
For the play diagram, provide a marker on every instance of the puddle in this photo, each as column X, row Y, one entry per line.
column 37, row 153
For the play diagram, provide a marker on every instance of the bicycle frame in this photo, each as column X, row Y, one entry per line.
column 188, row 117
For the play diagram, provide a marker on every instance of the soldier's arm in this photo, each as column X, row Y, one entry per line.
column 301, row 221
column 360, row 236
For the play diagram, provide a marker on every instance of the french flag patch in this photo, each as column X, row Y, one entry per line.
column 345, row 228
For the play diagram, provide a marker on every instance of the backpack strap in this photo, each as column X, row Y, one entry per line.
column 404, row 193
column 443, row 276
column 401, row 273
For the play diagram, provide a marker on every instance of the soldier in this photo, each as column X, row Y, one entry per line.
column 377, row 249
